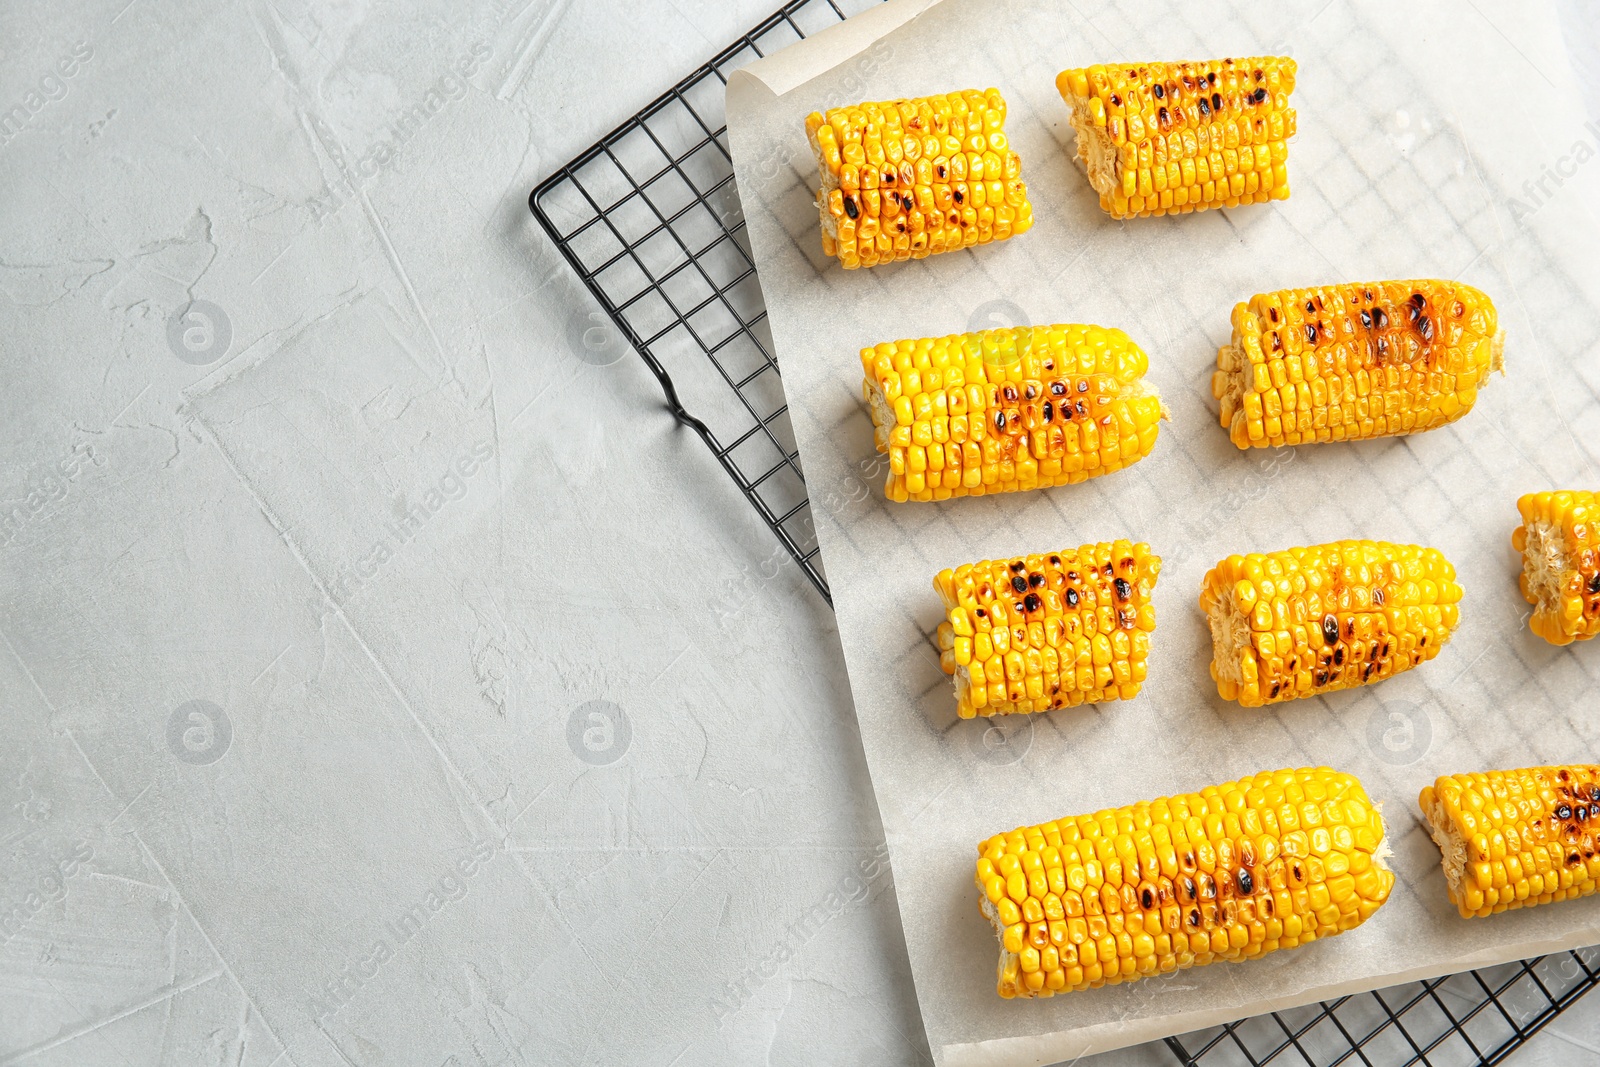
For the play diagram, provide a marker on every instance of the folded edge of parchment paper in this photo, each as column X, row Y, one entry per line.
column 821, row 52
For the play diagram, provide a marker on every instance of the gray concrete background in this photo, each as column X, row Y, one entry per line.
column 370, row 689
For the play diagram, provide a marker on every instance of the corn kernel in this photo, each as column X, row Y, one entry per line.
column 1034, row 398
column 1560, row 546
column 1173, row 136
column 1090, row 607
column 1552, row 816
column 1240, row 889
column 1393, row 357
column 1367, row 634
column 896, row 183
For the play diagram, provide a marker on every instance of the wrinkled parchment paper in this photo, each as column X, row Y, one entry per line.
column 1433, row 141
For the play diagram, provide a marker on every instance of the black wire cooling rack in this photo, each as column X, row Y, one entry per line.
column 650, row 219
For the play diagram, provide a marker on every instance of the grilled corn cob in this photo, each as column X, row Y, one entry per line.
column 1348, row 362
column 1271, row 861
column 903, row 179
column 1008, row 409
column 1314, row 620
column 1052, row 631
column 1560, row 548
column 1513, row 839
column 1176, row 137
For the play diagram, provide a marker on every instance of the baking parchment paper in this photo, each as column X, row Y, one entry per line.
column 1435, row 139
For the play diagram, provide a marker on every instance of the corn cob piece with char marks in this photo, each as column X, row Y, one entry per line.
column 1274, row 860
column 1161, row 138
column 1354, row 361
column 1048, row 631
column 1008, row 409
column 1560, row 545
column 1514, row 839
column 1315, row 620
column 904, row 179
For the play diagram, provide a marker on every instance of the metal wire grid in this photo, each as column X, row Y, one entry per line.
column 650, row 219
column 1479, row 1017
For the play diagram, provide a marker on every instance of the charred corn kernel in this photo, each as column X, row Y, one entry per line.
column 903, row 179
column 1077, row 625
column 1237, row 884
column 1560, row 544
column 1022, row 408
column 1313, row 620
column 1160, row 138
column 1513, row 839
column 1349, row 362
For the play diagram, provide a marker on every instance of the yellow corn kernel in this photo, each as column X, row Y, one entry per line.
column 1560, row 548
column 1030, row 407
column 904, row 179
column 1514, row 839
column 1374, row 359
column 1158, row 138
column 1326, row 617
column 1223, row 894
column 1040, row 608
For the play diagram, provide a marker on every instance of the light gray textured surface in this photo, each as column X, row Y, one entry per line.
column 398, row 538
